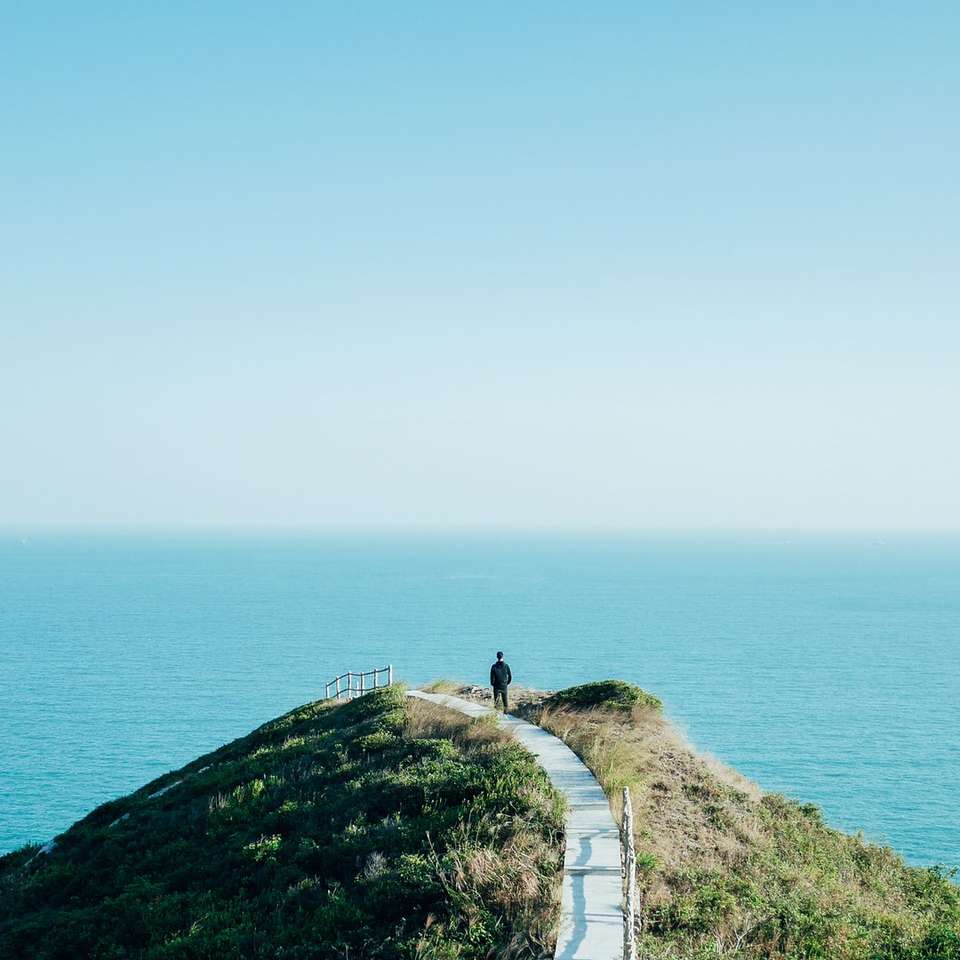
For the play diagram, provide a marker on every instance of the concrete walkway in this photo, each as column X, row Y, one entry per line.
column 591, row 921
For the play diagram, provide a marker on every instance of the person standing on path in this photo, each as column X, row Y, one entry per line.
column 500, row 679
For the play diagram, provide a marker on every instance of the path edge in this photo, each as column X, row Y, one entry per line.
column 591, row 919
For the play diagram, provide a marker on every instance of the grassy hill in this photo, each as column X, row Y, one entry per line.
column 729, row 871
column 388, row 828
column 379, row 828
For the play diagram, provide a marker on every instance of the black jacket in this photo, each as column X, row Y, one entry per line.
column 500, row 674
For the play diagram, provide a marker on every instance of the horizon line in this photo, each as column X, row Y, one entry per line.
column 21, row 530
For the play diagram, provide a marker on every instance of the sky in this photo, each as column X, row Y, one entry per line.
column 554, row 266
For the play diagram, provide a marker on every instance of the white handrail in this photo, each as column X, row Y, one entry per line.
column 356, row 683
column 630, row 866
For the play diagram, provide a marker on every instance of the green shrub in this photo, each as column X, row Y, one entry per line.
column 610, row 694
column 380, row 740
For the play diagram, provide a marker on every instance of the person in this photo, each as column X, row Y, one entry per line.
column 500, row 679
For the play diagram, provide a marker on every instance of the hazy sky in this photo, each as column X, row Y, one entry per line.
column 615, row 265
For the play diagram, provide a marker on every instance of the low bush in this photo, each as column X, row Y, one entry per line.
column 607, row 694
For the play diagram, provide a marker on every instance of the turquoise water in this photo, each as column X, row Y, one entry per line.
column 827, row 668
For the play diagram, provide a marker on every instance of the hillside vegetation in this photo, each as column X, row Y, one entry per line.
column 379, row 828
column 728, row 871
column 393, row 829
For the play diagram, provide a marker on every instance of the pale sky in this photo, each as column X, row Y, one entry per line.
column 542, row 265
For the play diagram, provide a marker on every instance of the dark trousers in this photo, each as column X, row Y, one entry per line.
column 500, row 692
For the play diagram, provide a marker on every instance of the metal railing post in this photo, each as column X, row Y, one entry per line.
column 630, row 863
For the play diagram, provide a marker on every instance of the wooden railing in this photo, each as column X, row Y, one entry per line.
column 350, row 685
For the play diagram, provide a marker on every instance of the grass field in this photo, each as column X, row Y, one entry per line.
column 379, row 828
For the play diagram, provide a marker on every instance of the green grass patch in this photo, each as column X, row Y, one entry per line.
column 334, row 831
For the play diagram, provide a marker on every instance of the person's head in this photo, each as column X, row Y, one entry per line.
column 499, row 654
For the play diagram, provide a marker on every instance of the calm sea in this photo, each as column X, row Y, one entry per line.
column 828, row 669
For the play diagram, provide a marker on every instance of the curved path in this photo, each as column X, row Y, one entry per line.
column 591, row 921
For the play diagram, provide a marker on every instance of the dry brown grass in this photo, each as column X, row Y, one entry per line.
column 687, row 808
column 443, row 686
column 728, row 871
column 686, row 803
column 425, row 719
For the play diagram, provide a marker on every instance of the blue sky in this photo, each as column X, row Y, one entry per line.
column 501, row 265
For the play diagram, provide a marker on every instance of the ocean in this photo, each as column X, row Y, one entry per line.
column 825, row 668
